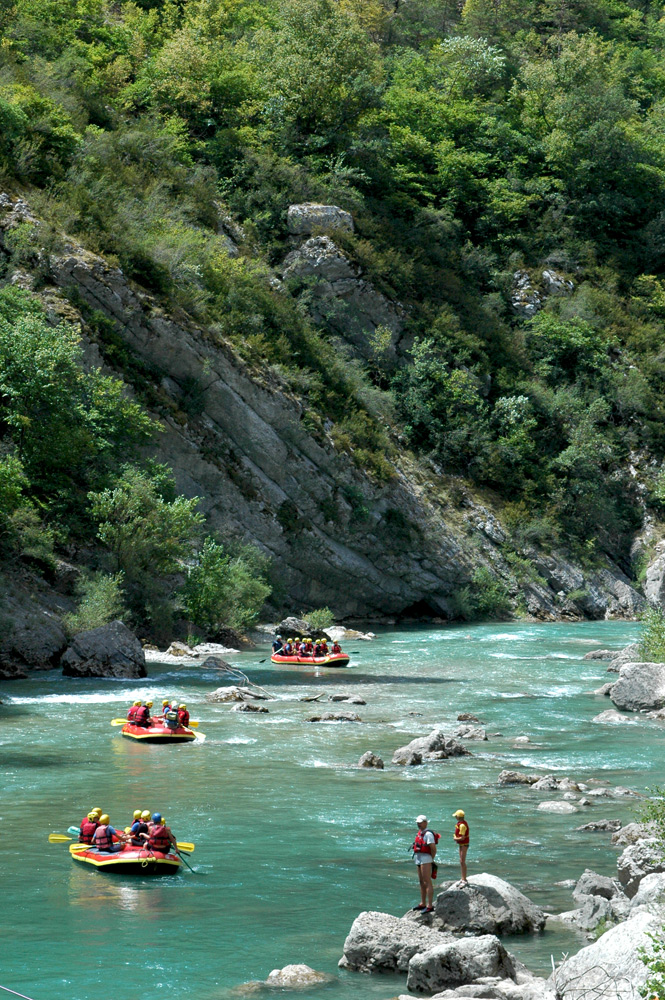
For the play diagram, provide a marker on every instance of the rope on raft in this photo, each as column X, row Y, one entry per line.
column 22, row 995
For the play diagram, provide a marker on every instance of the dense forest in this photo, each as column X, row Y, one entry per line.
column 481, row 147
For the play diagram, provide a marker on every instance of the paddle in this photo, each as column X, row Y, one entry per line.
column 60, row 838
column 192, row 724
column 73, row 830
column 182, row 858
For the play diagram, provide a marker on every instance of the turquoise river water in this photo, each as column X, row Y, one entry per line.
column 292, row 839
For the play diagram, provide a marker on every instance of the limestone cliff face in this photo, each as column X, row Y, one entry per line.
column 336, row 537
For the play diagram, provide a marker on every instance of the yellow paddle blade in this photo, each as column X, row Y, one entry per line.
column 118, row 722
column 58, row 838
column 73, row 848
column 183, row 846
column 193, row 724
column 201, row 736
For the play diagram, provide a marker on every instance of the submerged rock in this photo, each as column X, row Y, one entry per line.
column 234, row 693
column 489, row 905
column 600, row 654
column 370, row 759
column 350, row 699
column 457, row 962
column 612, row 717
column 471, row 733
column 436, row 746
column 516, row 778
column 109, row 651
column 335, row 717
column 295, row 977
column 554, row 806
column 600, row 826
column 247, row 706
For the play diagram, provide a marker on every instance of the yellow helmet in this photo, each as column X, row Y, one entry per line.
column 165, row 702
column 97, row 811
column 104, row 819
column 459, row 814
column 137, row 813
column 128, row 829
column 138, row 702
column 182, row 706
column 148, row 704
column 92, row 816
column 146, row 814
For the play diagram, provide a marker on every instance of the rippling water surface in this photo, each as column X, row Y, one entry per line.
column 292, row 840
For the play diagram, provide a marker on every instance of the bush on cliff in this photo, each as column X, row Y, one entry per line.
column 224, row 588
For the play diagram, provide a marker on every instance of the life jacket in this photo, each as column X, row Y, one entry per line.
column 462, row 837
column 336, row 648
column 142, row 717
column 131, row 714
column 171, row 718
column 287, row 650
column 324, row 648
column 103, row 840
column 318, row 649
column 183, row 717
column 137, row 828
column 159, row 839
column 419, row 846
column 87, row 831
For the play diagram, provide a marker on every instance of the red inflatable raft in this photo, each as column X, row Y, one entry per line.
column 129, row 861
column 158, row 733
column 331, row 660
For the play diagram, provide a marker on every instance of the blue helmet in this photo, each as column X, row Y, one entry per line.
column 157, row 817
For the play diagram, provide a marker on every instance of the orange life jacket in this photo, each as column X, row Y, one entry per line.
column 419, row 846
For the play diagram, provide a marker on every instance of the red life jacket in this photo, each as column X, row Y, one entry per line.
column 159, row 839
column 103, row 840
column 460, row 838
column 336, row 648
column 419, row 846
column 131, row 714
column 87, row 831
column 142, row 717
column 183, row 717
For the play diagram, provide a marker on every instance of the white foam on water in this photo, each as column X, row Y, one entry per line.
column 239, row 739
column 318, row 763
column 126, row 696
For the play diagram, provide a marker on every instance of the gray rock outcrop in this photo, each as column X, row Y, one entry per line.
column 339, row 297
column 455, row 963
column 556, row 806
column 600, row 654
column 264, row 476
column 436, row 746
column 310, row 216
column 629, row 654
column 489, row 905
column 109, row 651
column 249, row 706
column 471, row 733
column 234, row 693
column 639, row 686
column 600, row 826
column 632, row 832
column 379, row 942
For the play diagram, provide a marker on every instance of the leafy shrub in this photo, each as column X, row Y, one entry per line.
column 222, row 589
column 490, row 595
column 101, row 601
column 652, row 644
column 319, row 618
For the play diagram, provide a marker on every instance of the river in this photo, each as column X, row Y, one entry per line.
column 292, row 839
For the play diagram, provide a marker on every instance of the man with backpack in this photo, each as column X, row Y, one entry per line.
column 424, row 852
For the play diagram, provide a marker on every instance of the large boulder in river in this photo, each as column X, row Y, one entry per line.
column 457, row 962
column 379, row 942
column 640, row 685
column 109, row 651
column 297, row 977
column 436, row 746
column 639, row 859
column 488, row 905
column 516, row 778
column 610, row 968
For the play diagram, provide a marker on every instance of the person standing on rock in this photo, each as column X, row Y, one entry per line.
column 461, row 837
column 424, row 852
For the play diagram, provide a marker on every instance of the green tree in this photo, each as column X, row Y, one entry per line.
column 224, row 589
